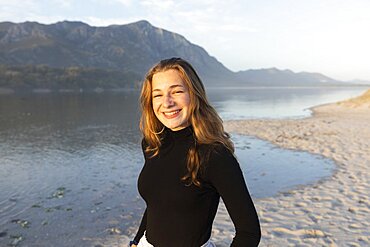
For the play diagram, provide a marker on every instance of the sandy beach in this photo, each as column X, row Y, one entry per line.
column 334, row 211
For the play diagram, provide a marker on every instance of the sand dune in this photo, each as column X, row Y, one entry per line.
column 362, row 101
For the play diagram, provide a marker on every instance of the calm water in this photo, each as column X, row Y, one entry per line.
column 69, row 162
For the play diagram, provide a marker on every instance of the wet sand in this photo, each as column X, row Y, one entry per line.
column 333, row 212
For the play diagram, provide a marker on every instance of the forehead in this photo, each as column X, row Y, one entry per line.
column 166, row 79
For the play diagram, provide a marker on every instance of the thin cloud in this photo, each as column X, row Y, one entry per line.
column 103, row 22
column 123, row 2
column 163, row 5
column 17, row 11
column 63, row 3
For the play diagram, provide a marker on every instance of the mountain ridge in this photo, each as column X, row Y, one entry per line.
column 131, row 48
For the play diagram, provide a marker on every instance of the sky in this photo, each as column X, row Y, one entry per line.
column 326, row 36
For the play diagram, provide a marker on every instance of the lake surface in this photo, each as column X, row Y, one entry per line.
column 69, row 162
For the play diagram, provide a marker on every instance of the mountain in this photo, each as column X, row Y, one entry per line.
column 276, row 77
column 133, row 47
column 360, row 82
column 130, row 49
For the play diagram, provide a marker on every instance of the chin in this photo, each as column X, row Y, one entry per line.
column 174, row 127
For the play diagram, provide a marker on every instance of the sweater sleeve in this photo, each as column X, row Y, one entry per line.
column 224, row 173
column 142, row 228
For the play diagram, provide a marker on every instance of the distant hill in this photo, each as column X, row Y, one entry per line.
column 129, row 49
column 360, row 82
column 276, row 77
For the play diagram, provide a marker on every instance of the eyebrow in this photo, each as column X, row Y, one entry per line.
column 172, row 86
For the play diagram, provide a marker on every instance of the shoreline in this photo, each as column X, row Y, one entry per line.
column 334, row 210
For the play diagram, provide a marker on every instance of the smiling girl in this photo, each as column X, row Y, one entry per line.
column 189, row 164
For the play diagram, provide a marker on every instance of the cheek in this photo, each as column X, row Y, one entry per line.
column 155, row 107
column 186, row 101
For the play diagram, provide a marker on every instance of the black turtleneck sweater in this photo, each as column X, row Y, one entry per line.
column 179, row 215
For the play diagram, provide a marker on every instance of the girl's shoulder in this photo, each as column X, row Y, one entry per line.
column 218, row 157
column 221, row 165
column 216, row 150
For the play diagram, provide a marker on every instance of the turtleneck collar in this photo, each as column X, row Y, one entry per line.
column 180, row 134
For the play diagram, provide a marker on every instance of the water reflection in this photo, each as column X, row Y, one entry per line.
column 269, row 170
column 242, row 103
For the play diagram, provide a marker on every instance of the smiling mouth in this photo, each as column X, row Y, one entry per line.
column 171, row 114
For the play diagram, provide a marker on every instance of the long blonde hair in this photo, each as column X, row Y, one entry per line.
column 206, row 123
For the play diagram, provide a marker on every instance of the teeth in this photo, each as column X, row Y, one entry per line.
column 171, row 113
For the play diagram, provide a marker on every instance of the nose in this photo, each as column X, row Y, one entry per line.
column 168, row 101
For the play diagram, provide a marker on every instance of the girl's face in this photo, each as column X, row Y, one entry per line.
column 171, row 99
